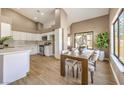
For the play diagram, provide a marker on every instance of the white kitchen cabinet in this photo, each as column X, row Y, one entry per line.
column 16, row 35
column 48, row 37
column 22, row 35
column 34, row 49
column 5, row 30
column 38, row 37
column 34, row 37
column 29, row 36
column 48, row 50
column 11, row 68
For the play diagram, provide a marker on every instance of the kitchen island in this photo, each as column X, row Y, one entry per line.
column 14, row 64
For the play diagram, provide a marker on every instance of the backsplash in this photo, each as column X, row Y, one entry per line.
column 21, row 43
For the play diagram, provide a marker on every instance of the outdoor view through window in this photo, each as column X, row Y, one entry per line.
column 119, row 37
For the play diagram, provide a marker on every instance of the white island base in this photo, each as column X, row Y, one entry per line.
column 14, row 64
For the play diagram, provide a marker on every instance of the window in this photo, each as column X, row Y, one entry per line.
column 84, row 38
column 116, row 38
column 118, row 27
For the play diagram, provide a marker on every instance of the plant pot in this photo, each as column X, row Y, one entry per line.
column 101, row 55
column 1, row 46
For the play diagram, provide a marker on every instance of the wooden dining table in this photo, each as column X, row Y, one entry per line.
column 81, row 57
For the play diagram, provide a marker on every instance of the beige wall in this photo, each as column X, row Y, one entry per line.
column 120, row 75
column 5, row 19
column 39, row 26
column 24, row 24
column 19, row 22
column 98, row 25
column 0, row 11
column 57, row 17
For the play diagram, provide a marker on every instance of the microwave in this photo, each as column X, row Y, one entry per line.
column 44, row 38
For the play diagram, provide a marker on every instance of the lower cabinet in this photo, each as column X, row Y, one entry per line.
column 14, row 66
column 34, row 49
column 48, row 51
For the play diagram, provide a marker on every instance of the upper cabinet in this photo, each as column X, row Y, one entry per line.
column 5, row 26
column 5, row 29
column 26, row 36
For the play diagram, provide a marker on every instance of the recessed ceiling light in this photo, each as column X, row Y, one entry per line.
column 42, row 14
column 35, row 18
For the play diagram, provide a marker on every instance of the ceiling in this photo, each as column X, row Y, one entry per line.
column 46, row 15
column 43, row 14
column 80, row 14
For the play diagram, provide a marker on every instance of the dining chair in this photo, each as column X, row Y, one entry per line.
column 92, row 64
column 92, row 60
column 70, row 66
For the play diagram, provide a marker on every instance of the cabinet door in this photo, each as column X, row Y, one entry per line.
column 5, row 29
column 22, row 36
column 34, row 37
column 38, row 37
column 14, row 68
column 16, row 35
column 28, row 36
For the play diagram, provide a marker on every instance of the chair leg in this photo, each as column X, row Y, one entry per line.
column 95, row 65
column 80, row 70
column 77, row 72
column 91, row 74
column 72, row 71
column 68, row 70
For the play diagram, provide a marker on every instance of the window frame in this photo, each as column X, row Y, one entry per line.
column 92, row 32
column 118, row 38
column 114, row 37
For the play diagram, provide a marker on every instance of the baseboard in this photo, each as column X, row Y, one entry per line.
column 115, row 76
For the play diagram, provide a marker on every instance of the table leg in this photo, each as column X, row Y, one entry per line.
column 62, row 65
column 84, row 77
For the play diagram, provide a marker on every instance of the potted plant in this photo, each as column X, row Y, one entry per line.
column 4, row 39
column 102, row 42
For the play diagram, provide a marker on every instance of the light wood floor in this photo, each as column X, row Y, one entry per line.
column 46, row 70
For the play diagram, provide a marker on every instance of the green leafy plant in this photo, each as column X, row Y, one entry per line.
column 102, row 40
column 6, row 38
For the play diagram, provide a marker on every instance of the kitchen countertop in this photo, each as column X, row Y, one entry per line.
column 6, row 51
